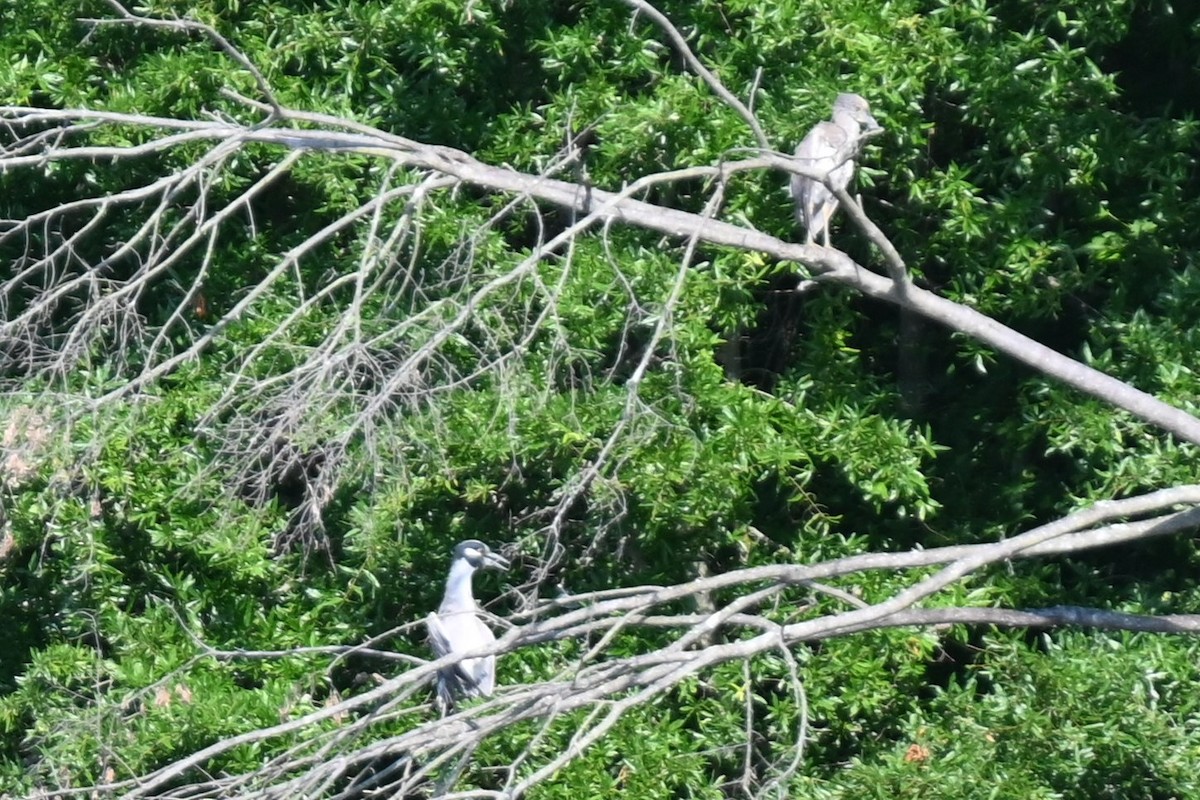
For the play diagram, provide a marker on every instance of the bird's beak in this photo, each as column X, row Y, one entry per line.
column 495, row 560
column 872, row 125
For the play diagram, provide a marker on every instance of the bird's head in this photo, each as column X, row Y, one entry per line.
column 855, row 107
column 479, row 555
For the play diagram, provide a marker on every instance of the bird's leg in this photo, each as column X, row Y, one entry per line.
column 810, row 235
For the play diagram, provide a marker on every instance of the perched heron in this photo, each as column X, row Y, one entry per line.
column 829, row 149
column 457, row 628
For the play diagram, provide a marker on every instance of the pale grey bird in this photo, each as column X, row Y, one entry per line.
column 829, row 148
column 457, row 628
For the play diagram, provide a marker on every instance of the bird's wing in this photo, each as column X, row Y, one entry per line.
column 462, row 632
column 818, row 152
column 844, row 144
column 483, row 674
column 451, row 680
column 439, row 640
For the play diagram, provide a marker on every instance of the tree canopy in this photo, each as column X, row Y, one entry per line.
column 294, row 296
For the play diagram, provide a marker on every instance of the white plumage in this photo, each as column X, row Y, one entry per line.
column 457, row 628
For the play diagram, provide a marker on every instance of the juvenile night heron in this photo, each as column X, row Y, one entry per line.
column 457, row 628
column 829, row 149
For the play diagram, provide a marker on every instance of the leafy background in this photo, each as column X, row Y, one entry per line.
column 1039, row 164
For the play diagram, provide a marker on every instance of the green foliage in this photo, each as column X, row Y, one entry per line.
column 1029, row 169
column 1078, row 717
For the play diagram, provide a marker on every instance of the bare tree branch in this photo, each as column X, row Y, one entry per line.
column 612, row 685
column 713, row 82
column 127, row 17
column 602, row 206
column 367, row 369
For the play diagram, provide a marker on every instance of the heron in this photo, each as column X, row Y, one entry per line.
column 829, row 149
column 457, row 628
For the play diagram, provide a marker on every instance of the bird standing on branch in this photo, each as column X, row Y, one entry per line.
column 829, row 150
column 456, row 628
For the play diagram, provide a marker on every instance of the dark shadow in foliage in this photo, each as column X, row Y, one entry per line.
column 1157, row 63
column 764, row 352
column 955, row 660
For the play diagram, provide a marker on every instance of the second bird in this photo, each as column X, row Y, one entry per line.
column 829, row 149
column 456, row 628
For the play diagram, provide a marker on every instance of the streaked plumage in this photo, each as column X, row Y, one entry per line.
column 457, row 627
column 827, row 144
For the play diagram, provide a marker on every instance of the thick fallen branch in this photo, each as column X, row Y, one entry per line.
column 826, row 264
